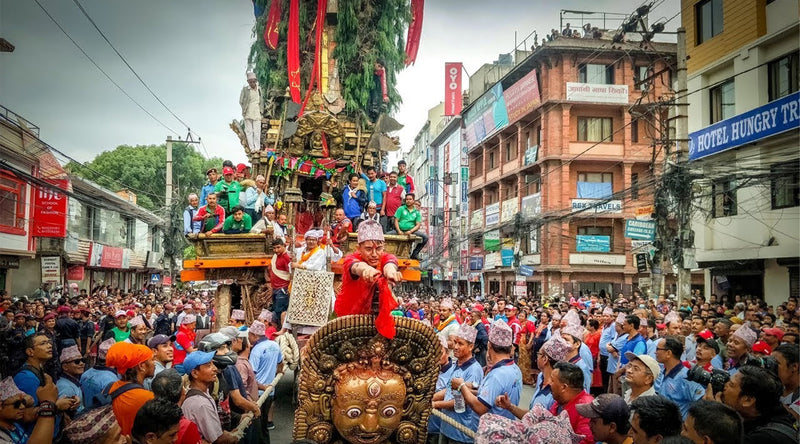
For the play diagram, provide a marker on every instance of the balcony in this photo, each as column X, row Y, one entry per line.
column 603, row 259
column 476, row 181
column 493, row 174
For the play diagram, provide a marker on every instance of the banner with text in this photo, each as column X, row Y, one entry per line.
column 596, row 244
column 640, row 229
column 452, row 89
column 487, row 116
column 50, row 209
column 522, row 97
column 590, row 92
column 51, row 269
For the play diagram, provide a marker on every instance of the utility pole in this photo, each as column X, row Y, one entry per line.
column 681, row 161
column 168, row 200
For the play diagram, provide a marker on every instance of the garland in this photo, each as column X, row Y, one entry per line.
column 307, row 165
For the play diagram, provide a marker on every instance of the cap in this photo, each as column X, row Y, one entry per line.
column 576, row 331
column 188, row 319
column 64, row 309
column 647, row 360
column 762, row 347
column 477, row 307
column 266, row 316
column 157, row 340
column 227, row 170
column 607, row 406
column 258, row 328
column 136, row 321
column 241, row 167
column 70, row 354
column 251, row 75
column 467, row 333
column 124, row 356
column 102, row 350
column 500, row 334
column 556, row 348
column 446, row 303
column 772, row 331
column 130, row 313
column 370, row 230
column 746, row 334
column 210, row 170
column 196, row 359
column 8, row 389
column 238, row 315
column 119, row 313
column 243, row 333
column 706, row 337
column 314, row 234
column 510, row 307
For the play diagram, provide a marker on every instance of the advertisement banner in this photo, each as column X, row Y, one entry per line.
column 520, row 290
column 75, row 273
column 476, row 263
column 773, row 118
column 51, row 269
column 531, row 205
column 507, row 256
column 491, row 260
column 525, row 270
column 645, row 213
column 492, row 214
column 50, row 210
column 452, row 89
column 476, row 219
column 597, row 205
column 640, row 229
column 491, row 240
column 595, row 244
column 487, row 116
column 111, row 257
column 522, row 97
column 509, row 209
column 591, row 92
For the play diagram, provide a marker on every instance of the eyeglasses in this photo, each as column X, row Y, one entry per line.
column 662, row 349
column 18, row 404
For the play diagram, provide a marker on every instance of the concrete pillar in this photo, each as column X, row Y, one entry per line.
column 222, row 305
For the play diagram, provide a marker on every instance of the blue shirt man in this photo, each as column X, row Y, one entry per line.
column 376, row 188
column 607, row 336
column 434, row 423
column 472, row 373
column 93, row 381
column 674, row 385
column 613, row 363
column 208, row 187
column 543, row 395
column 504, row 377
column 265, row 356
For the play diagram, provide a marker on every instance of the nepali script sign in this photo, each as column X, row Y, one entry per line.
column 592, row 92
column 773, row 118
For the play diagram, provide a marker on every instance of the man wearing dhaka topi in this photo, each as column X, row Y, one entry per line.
column 368, row 271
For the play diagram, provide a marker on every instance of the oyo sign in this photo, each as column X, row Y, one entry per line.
column 452, row 89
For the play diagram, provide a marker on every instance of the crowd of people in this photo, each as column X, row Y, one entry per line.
column 235, row 203
column 621, row 370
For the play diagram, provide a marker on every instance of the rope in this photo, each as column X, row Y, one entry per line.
column 454, row 423
column 247, row 418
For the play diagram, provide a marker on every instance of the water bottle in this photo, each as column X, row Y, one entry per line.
column 458, row 399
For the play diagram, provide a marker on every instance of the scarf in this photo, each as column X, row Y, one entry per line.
column 306, row 256
column 441, row 325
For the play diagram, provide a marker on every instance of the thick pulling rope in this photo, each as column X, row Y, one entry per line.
column 454, row 423
column 247, row 418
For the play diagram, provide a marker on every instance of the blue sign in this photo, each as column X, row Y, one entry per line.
column 525, row 270
column 640, row 229
column 476, row 263
column 593, row 244
column 155, row 278
column 767, row 120
column 507, row 256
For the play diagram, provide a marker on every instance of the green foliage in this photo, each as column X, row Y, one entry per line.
column 366, row 30
column 142, row 169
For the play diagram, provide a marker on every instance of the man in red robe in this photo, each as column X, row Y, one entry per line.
column 368, row 271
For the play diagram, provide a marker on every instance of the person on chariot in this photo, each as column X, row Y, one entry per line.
column 315, row 256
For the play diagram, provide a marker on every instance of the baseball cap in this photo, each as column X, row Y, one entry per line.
column 157, row 340
column 707, row 338
column 772, row 331
column 211, row 170
column 196, row 359
column 120, row 313
column 608, row 406
column 646, row 360
column 762, row 347
column 227, row 170
column 241, row 167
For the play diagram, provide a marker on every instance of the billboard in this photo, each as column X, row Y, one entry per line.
column 50, row 210
column 600, row 93
column 595, row 244
column 522, row 97
column 452, row 89
column 487, row 116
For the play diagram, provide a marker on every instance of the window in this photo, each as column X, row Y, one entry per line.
column 492, row 163
column 94, row 224
column 634, row 131
column 594, row 129
column 596, row 177
column 12, row 204
column 784, row 76
column 708, row 15
column 634, row 185
column 594, row 185
column 130, row 233
column 530, row 243
column 591, row 73
column 724, row 198
column 723, row 104
column 640, row 74
column 156, row 236
column 510, row 153
column 785, row 186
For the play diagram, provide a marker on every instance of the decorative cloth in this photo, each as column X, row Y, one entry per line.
column 556, row 348
column 500, row 334
column 467, row 333
column 538, row 426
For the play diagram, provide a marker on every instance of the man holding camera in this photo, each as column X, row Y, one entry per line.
column 676, row 387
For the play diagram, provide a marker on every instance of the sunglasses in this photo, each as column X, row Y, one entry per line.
column 18, row 404
column 75, row 361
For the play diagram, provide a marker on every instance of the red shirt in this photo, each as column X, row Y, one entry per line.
column 394, row 198
column 220, row 215
column 515, row 328
column 338, row 227
column 355, row 296
column 188, row 433
column 580, row 424
column 183, row 341
column 281, row 263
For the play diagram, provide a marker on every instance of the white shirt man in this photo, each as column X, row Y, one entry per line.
column 250, row 101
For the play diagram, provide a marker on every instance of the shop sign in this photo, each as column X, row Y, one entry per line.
column 51, row 269
column 640, row 229
column 486, row 116
column 475, row 263
column 507, row 257
column 9, row 262
column 773, row 118
column 645, row 213
column 592, row 92
column 596, row 244
column 474, row 277
column 532, row 205
column 491, row 261
column 476, row 219
column 522, row 97
column 525, row 270
column 452, row 89
column 167, row 281
column 75, row 273
column 520, row 290
column 597, row 206
column 491, row 240
column 50, row 209
column 111, row 257
column 492, row 214
column 645, row 282
column 509, row 210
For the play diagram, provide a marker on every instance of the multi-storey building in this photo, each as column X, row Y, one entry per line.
column 744, row 114
column 562, row 152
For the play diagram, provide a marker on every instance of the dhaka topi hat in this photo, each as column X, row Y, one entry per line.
column 467, row 333
column 608, row 311
column 102, row 350
column 672, row 316
column 237, row 315
column 251, row 75
column 8, row 389
column 258, row 328
column 556, row 348
column 314, row 234
column 370, row 230
column 746, row 334
column 620, row 318
column 136, row 321
column 572, row 318
column 576, row 331
column 188, row 319
column 266, row 316
column 500, row 334
column 446, row 303
column 443, row 341
column 70, row 353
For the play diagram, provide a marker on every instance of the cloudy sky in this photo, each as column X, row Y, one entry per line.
column 193, row 54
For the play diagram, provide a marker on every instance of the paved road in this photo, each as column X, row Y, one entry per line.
column 284, row 408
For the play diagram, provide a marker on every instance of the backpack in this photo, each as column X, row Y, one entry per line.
column 128, row 386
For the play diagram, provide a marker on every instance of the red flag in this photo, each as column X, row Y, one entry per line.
column 414, row 31
column 322, row 8
column 452, row 89
column 293, row 50
column 273, row 22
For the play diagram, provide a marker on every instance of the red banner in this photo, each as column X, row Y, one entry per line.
column 273, row 22
column 111, row 257
column 75, row 273
column 414, row 31
column 293, row 50
column 50, row 210
column 452, row 89
column 522, row 97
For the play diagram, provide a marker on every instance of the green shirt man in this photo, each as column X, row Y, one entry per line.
column 238, row 222
column 227, row 194
column 407, row 219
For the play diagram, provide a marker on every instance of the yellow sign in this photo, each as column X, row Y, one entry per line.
column 645, row 213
